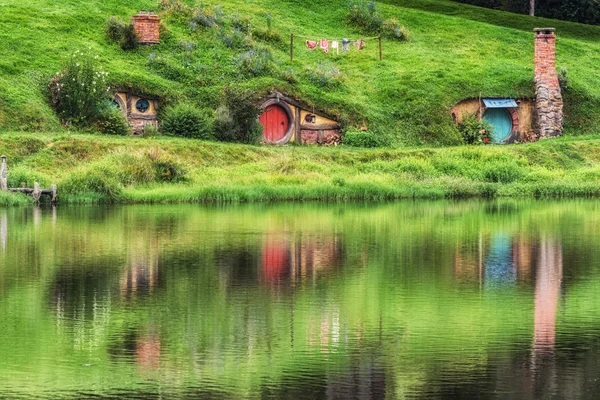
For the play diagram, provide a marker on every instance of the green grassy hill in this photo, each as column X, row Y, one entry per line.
column 456, row 51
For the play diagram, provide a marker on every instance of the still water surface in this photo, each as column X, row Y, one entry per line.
column 405, row 300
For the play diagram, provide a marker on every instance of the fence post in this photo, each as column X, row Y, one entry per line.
column 380, row 52
column 3, row 174
column 291, row 47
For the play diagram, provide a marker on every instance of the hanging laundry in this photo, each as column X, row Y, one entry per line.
column 311, row 45
column 345, row 45
column 325, row 45
column 335, row 45
column 359, row 44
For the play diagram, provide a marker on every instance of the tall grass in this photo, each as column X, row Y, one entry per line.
column 91, row 169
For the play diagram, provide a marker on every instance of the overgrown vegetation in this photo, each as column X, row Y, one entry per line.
column 92, row 168
column 475, row 131
column 122, row 33
column 358, row 138
column 186, row 121
column 79, row 91
column 364, row 15
column 236, row 119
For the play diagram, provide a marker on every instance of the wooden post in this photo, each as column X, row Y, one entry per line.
column 3, row 174
column 291, row 47
column 37, row 191
column 53, row 188
column 380, row 52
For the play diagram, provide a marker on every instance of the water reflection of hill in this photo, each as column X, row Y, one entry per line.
column 422, row 299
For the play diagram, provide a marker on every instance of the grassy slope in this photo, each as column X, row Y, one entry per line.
column 457, row 51
column 116, row 169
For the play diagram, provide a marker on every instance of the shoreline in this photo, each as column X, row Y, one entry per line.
column 92, row 169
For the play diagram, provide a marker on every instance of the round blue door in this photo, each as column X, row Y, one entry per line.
column 501, row 120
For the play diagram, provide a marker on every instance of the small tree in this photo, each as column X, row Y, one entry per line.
column 79, row 92
column 237, row 119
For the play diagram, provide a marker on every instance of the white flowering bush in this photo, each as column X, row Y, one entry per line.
column 79, row 93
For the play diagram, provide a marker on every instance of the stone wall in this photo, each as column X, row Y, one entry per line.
column 147, row 27
column 549, row 102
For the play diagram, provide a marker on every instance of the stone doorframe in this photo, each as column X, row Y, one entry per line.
column 291, row 123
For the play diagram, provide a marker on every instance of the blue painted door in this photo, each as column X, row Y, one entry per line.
column 501, row 121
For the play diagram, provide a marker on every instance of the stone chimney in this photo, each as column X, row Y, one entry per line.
column 147, row 27
column 549, row 102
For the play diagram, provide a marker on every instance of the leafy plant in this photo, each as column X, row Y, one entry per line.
column 122, row 33
column 255, row 62
column 112, row 122
column 79, row 92
column 235, row 39
column 475, row 131
column 242, row 24
column 186, row 121
column 364, row 15
column 325, row 74
column 358, row 138
column 236, row 120
column 563, row 79
column 391, row 28
column 205, row 17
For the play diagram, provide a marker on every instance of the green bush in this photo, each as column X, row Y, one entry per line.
column 237, row 119
column 235, row 39
column 205, row 17
column 255, row 62
column 364, row 15
column 325, row 75
column 563, row 79
column 91, row 183
column 79, row 93
column 122, row 33
column 186, row 121
column 113, row 122
column 165, row 168
column 475, row 131
column 391, row 28
column 358, row 138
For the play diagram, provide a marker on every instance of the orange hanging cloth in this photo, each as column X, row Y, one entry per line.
column 311, row 45
column 325, row 45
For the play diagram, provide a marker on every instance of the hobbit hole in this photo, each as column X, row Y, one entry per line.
column 287, row 120
column 139, row 110
column 524, row 120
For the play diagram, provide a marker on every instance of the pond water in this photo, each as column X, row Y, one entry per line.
column 318, row 301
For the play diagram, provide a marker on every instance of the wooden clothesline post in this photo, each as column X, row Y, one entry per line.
column 380, row 52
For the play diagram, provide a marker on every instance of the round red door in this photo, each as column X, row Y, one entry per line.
column 275, row 122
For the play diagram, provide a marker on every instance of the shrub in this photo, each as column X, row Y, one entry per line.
column 79, row 93
column 475, row 131
column 255, row 62
column 207, row 18
column 91, row 182
column 122, row 33
column 563, row 79
column 391, row 28
column 112, row 122
column 237, row 119
column 358, row 138
column 242, row 24
column 364, row 16
column 186, row 121
column 325, row 75
column 174, row 8
column 149, row 131
column 235, row 39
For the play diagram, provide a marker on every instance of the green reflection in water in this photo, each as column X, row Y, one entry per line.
column 410, row 299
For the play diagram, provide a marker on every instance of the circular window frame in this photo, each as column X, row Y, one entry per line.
column 140, row 111
column 288, row 135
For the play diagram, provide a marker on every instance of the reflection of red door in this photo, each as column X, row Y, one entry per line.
column 275, row 259
column 275, row 122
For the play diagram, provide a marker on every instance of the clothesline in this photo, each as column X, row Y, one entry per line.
column 313, row 37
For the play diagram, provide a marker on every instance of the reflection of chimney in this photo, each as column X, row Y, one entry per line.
column 547, row 291
column 549, row 102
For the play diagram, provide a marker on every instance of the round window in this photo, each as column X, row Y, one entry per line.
column 142, row 105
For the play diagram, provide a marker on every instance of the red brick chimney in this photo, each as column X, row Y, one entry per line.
column 549, row 102
column 147, row 27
